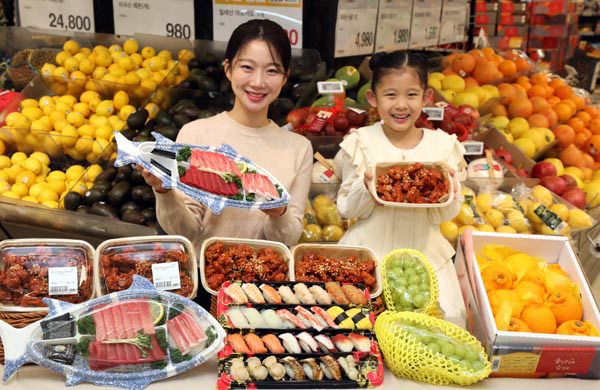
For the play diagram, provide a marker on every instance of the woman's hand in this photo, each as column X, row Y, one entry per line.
column 368, row 180
column 455, row 183
column 278, row 212
column 152, row 180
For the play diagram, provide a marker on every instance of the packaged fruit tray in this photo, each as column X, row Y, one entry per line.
column 324, row 263
column 245, row 255
column 33, row 269
column 167, row 261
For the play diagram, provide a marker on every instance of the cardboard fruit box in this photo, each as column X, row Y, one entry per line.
column 525, row 353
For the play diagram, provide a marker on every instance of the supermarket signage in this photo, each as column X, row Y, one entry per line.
column 434, row 113
column 228, row 14
column 355, row 27
column 330, row 87
column 454, row 18
column 173, row 18
column 425, row 25
column 166, row 276
column 393, row 25
column 63, row 15
column 62, row 280
column 473, row 148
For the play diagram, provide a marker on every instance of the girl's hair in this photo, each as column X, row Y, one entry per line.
column 270, row 32
column 382, row 63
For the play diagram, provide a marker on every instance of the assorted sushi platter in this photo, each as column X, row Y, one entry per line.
column 297, row 335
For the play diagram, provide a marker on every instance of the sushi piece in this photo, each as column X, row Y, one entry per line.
column 290, row 343
column 336, row 292
column 343, row 343
column 308, row 318
column 287, row 315
column 303, row 294
column 237, row 343
column 360, row 319
column 320, row 295
column 270, row 294
column 331, row 368
column 254, row 318
column 253, row 293
column 271, row 318
column 276, row 370
column 293, row 368
column 235, row 292
column 340, row 317
column 256, row 369
column 307, row 343
column 325, row 343
column 361, row 343
column 349, row 365
column 287, row 295
column 354, row 294
column 255, row 343
column 312, row 369
column 237, row 319
column 272, row 343
column 238, row 370
column 322, row 315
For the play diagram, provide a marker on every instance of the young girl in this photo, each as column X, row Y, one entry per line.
column 399, row 90
column 257, row 62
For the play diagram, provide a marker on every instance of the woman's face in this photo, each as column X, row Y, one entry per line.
column 256, row 77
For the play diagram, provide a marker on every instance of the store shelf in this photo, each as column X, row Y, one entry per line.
column 587, row 19
column 589, row 37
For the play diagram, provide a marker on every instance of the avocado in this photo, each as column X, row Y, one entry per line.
column 217, row 99
column 143, row 194
column 136, row 178
column 73, row 200
column 299, row 90
column 180, row 105
column 94, row 195
column 123, row 173
column 133, row 216
column 170, row 132
column 188, row 84
column 103, row 186
column 279, row 109
column 214, row 72
column 104, row 210
column 131, row 205
column 307, row 76
column 207, row 59
column 128, row 133
column 84, row 208
column 150, row 215
column 206, row 83
column 108, row 175
column 163, row 118
column 137, row 120
column 194, row 64
column 119, row 194
column 143, row 138
column 179, row 92
column 181, row 119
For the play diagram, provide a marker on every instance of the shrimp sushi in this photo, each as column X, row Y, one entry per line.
column 290, row 343
column 235, row 292
column 271, row 318
column 237, row 319
column 321, row 314
column 270, row 294
column 354, row 294
column 272, row 343
column 320, row 295
column 253, row 293
column 343, row 343
column 304, row 294
column 336, row 292
column 331, row 368
column 325, row 343
column 254, row 318
column 312, row 369
column 308, row 318
column 287, row 295
column 255, row 343
column 293, row 368
column 361, row 342
column 307, row 342
column 237, row 343
column 290, row 318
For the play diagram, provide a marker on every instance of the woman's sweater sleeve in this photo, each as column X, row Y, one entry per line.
column 353, row 199
column 442, row 214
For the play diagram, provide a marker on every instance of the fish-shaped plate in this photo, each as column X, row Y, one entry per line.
column 160, row 158
column 125, row 339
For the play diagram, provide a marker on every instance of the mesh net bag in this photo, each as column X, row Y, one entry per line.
column 398, row 292
column 431, row 350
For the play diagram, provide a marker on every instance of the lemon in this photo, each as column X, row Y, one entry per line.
column 32, row 113
column 21, row 189
column 157, row 311
column 104, row 132
column 113, row 120
column 149, row 84
column 40, row 125
column 517, row 127
column 60, row 59
column 485, row 228
column 57, row 175
column 117, row 55
column 537, row 138
column 51, row 203
column 579, row 219
column 29, row 199
column 516, row 219
column 33, row 165
column 165, row 54
column 127, row 63
column 18, row 157
column 4, row 162
column 84, row 145
column 105, row 108
column 76, row 118
column 92, row 172
column 4, row 186
column 61, row 72
column 87, row 66
column 71, row 47
column 125, row 111
column 103, row 59
column 47, row 194
column 505, row 229
column 526, row 145
column 36, row 189
column 99, row 48
column 93, row 104
column 71, row 64
column 115, row 48
column 465, row 215
column 148, row 52
column 484, row 201
column 454, row 83
column 157, row 63
column 137, row 59
column 48, row 69
column 461, row 229
column 98, row 121
column 98, row 147
column 116, row 70
column 68, row 135
column 449, row 230
column 64, row 107
column 494, row 217
column 99, row 72
column 10, row 194
column 543, row 195
column 74, row 172
column 57, row 186
column 185, row 55
column 28, row 103
column 152, row 109
column 82, row 108
column 120, row 100
column 132, row 78
column 4, row 176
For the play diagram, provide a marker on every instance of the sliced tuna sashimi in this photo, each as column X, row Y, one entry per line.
column 208, row 181
column 259, row 184
column 194, row 327
column 146, row 317
column 99, row 323
column 212, row 160
column 127, row 325
column 177, row 333
column 126, row 354
column 115, row 310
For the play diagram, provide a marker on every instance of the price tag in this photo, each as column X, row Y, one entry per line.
column 228, row 14
column 64, row 15
column 393, row 25
column 434, row 113
column 355, row 27
column 62, row 280
column 330, row 87
column 166, row 276
column 454, row 17
column 473, row 148
column 173, row 18
column 425, row 25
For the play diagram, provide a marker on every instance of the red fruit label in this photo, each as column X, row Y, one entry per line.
column 507, row 19
column 482, row 19
column 566, row 360
column 508, row 7
column 320, row 120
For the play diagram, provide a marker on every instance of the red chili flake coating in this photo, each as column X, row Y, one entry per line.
column 319, row 268
column 412, row 184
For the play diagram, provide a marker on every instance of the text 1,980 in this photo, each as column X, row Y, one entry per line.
column 70, row 22
column 177, row 30
column 431, row 32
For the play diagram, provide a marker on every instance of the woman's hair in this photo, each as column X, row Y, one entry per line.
column 382, row 63
column 270, row 32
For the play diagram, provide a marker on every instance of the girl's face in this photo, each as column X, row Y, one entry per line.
column 399, row 98
column 256, row 77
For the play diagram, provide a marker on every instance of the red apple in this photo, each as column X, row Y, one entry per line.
column 569, row 180
column 329, row 129
column 523, row 173
column 298, row 117
column 543, row 169
column 354, row 118
column 554, row 184
column 341, row 123
column 504, row 156
column 576, row 197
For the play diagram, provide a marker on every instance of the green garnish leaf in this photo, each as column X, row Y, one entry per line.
column 83, row 346
column 177, row 357
column 211, row 335
column 184, row 153
column 279, row 189
column 181, row 171
column 86, row 325
column 161, row 338
column 142, row 340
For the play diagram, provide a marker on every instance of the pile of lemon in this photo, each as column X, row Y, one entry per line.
column 29, row 178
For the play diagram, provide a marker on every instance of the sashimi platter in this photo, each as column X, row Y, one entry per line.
column 216, row 177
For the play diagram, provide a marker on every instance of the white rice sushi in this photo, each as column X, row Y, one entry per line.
column 237, row 319
column 303, row 294
column 307, row 342
column 254, row 318
column 325, row 343
column 272, row 319
column 287, row 295
column 253, row 293
column 320, row 295
column 290, row 343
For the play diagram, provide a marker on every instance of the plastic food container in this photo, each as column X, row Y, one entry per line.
column 445, row 200
column 257, row 245
column 339, row 252
column 167, row 261
column 32, row 269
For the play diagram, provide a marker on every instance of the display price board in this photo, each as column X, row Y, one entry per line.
column 173, row 18
column 454, row 17
column 64, row 15
column 425, row 25
column 393, row 25
column 355, row 27
column 228, row 14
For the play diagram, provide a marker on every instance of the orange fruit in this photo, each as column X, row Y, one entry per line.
column 520, row 107
column 570, row 103
column 499, row 110
column 477, row 54
column 593, row 111
column 471, row 82
column 565, row 307
column 523, row 79
column 508, row 93
column 585, row 117
column 556, row 82
column 539, row 78
column 488, row 52
column 448, row 72
column 563, row 112
column 447, row 61
column 580, row 140
column 497, row 297
column 485, row 72
column 588, row 160
column 539, row 103
column 577, row 328
column 539, row 318
column 570, row 156
column 592, row 146
column 497, row 59
column 517, row 325
column 538, row 120
column 536, row 90
column 594, row 126
column 549, row 90
column 553, row 101
column 578, row 100
column 522, row 64
column 565, row 135
column 520, row 90
column 531, row 292
column 576, row 123
column 587, row 172
column 507, row 67
column 563, row 92
column 551, row 115
column 497, row 276
column 463, row 63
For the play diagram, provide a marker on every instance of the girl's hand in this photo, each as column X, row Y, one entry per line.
column 369, row 179
column 152, row 180
column 278, row 212
column 455, row 183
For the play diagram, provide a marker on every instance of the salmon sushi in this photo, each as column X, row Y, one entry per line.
column 337, row 293
column 354, row 294
column 235, row 292
column 237, row 343
column 254, row 343
column 272, row 343
column 270, row 294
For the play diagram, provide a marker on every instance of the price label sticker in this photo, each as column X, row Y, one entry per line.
column 434, row 113
column 173, row 18
column 393, row 25
column 425, row 25
column 330, row 87
column 62, row 280
column 228, row 14
column 473, row 148
column 454, row 18
column 355, row 27
column 166, row 276
column 64, row 15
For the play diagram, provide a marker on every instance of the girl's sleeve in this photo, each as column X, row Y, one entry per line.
column 455, row 161
column 288, row 227
column 353, row 199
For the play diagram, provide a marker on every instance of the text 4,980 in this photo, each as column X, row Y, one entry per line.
column 70, row 22
column 364, row 39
